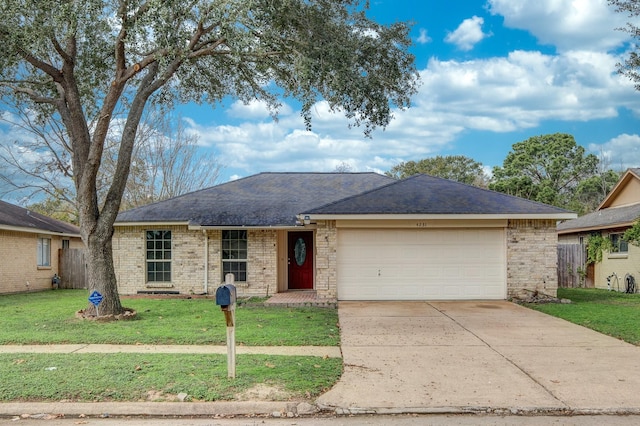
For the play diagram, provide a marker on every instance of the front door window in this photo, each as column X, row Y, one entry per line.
column 300, row 251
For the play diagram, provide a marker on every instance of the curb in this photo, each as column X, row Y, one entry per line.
column 505, row 411
column 159, row 409
column 274, row 409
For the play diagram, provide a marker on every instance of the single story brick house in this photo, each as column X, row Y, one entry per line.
column 29, row 244
column 346, row 236
column 617, row 213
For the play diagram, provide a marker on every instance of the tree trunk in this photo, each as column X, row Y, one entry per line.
column 101, row 275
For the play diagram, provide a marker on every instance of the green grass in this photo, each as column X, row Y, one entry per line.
column 609, row 312
column 49, row 318
column 154, row 377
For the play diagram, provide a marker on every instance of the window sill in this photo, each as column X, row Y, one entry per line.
column 159, row 285
column 618, row 256
column 44, row 268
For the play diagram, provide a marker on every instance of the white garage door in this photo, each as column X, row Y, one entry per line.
column 421, row 264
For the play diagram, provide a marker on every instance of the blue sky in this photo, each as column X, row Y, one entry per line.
column 493, row 73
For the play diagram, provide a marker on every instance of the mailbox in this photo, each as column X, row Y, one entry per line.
column 226, row 295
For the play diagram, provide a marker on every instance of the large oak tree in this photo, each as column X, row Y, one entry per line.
column 84, row 60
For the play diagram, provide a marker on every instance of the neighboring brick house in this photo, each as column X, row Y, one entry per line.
column 346, row 236
column 617, row 213
column 29, row 244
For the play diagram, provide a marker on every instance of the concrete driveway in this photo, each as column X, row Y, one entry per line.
column 474, row 356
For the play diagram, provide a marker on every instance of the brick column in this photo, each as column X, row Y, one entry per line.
column 532, row 258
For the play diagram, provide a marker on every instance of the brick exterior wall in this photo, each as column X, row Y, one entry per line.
column 262, row 264
column 187, row 263
column 532, row 258
column 19, row 261
column 326, row 260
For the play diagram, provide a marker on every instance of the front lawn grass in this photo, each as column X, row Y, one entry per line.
column 161, row 377
column 609, row 312
column 49, row 318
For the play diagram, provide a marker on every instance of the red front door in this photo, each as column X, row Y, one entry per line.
column 300, row 258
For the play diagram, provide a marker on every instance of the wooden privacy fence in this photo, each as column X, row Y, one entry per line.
column 73, row 268
column 572, row 266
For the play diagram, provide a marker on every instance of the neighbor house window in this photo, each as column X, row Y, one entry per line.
column 618, row 244
column 65, row 244
column 158, row 256
column 44, row 251
column 234, row 254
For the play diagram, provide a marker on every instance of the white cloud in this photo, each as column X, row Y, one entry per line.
column 468, row 34
column 255, row 110
column 524, row 89
column 566, row 24
column 620, row 152
column 423, row 38
column 499, row 94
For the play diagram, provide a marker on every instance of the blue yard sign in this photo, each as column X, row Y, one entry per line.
column 95, row 298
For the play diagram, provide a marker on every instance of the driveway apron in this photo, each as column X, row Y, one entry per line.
column 465, row 356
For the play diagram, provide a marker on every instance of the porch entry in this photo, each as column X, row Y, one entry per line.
column 300, row 260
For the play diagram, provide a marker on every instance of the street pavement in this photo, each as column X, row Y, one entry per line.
column 490, row 359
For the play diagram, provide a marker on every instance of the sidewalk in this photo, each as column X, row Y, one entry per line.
column 322, row 351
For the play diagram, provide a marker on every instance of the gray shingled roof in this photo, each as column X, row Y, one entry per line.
column 605, row 218
column 18, row 217
column 423, row 194
column 610, row 217
column 265, row 199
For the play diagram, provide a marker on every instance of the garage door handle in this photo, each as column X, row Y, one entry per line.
column 379, row 272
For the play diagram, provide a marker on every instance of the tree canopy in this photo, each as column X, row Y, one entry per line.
column 631, row 65
column 82, row 61
column 454, row 167
column 546, row 168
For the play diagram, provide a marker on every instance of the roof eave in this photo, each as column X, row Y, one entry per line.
column 595, row 228
column 624, row 179
column 553, row 216
column 225, row 227
column 38, row 231
column 151, row 223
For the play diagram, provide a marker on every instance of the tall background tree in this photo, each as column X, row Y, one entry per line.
column 454, row 167
column 553, row 169
column 166, row 162
column 82, row 61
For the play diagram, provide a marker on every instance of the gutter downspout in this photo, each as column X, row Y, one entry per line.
column 206, row 261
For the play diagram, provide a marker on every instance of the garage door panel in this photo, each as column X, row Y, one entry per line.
column 408, row 264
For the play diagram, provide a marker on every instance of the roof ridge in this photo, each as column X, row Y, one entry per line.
column 359, row 194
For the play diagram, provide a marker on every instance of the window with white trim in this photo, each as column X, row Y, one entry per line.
column 158, row 256
column 234, row 254
column 44, row 251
